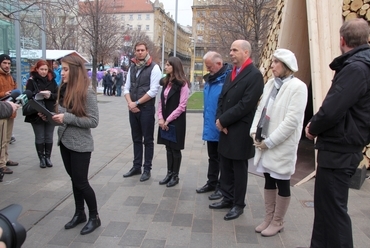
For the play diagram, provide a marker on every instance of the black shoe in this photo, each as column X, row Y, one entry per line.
column 133, row 171
column 234, row 213
column 215, row 195
column 11, row 163
column 220, row 205
column 174, row 180
column 205, row 188
column 48, row 162
column 91, row 225
column 166, row 179
column 145, row 176
column 78, row 218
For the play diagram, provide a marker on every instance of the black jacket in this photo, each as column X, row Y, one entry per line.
column 342, row 123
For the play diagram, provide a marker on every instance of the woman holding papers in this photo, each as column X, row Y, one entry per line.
column 172, row 117
column 43, row 86
column 77, row 111
column 276, row 131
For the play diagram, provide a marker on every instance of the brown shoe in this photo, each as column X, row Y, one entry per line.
column 12, row 163
column 6, row 170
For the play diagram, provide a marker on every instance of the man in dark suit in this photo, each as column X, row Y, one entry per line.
column 236, row 107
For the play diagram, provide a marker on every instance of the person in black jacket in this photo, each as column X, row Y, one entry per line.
column 172, row 115
column 42, row 82
column 342, row 128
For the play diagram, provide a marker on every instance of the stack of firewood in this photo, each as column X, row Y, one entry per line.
column 356, row 8
column 272, row 41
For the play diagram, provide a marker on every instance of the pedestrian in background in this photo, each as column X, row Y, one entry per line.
column 119, row 83
column 77, row 111
column 276, row 132
column 42, row 82
column 214, row 81
column 172, row 115
column 57, row 71
column 342, row 129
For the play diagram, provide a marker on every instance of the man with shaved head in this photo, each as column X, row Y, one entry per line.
column 214, row 81
column 237, row 105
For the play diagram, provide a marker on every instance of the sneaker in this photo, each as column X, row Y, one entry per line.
column 6, row 170
column 12, row 140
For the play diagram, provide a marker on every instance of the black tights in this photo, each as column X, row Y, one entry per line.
column 77, row 167
column 282, row 185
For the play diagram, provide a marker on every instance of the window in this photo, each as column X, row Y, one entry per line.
column 131, row 17
column 147, row 27
column 139, row 27
column 198, row 66
column 199, row 52
column 139, row 16
column 200, row 26
column 123, row 17
column 147, row 17
column 129, row 26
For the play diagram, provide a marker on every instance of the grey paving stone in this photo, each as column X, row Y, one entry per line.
column 115, row 229
column 163, row 216
column 64, row 237
column 171, row 193
column 201, row 240
column 168, row 203
column 132, row 238
column 146, row 208
column 203, row 226
column 246, row 234
column 184, row 220
column 153, row 243
column 133, row 201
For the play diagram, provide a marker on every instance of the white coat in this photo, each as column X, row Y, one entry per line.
column 285, row 126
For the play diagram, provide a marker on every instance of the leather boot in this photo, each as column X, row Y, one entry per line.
column 270, row 201
column 91, row 225
column 40, row 152
column 167, row 178
column 48, row 148
column 175, row 174
column 277, row 223
column 78, row 217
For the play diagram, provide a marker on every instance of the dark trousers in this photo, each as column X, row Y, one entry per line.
column 44, row 132
column 213, row 163
column 332, row 225
column 109, row 90
column 105, row 89
column 142, row 131
column 77, row 167
column 233, row 180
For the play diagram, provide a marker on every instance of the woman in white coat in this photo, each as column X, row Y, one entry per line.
column 276, row 131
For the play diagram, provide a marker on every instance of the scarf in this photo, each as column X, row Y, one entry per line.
column 139, row 64
column 246, row 63
column 264, row 121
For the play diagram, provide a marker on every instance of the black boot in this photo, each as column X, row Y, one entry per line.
column 176, row 168
column 40, row 152
column 78, row 218
column 91, row 225
column 169, row 168
column 1, row 174
column 48, row 148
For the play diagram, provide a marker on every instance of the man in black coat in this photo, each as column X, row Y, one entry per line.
column 342, row 128
column 237, row 104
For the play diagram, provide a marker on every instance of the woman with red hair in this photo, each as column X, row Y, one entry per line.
column 42, row 80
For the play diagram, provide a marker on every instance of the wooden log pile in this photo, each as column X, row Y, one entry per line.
column 271, row 43
column 356, row 9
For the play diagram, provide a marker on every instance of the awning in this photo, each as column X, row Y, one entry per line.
column 50, row 54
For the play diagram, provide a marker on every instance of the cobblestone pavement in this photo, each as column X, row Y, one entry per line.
column 145, row 214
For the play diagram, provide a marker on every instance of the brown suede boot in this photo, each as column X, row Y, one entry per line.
column 270, row 201
column 277, row 223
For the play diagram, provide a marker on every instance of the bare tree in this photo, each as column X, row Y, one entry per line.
column 9, row 8
column 137, row 36
column 241, row 19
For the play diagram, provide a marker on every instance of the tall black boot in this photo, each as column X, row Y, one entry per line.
column 40, row 152
column 175, row 174
column 169, row 169
column 48, row 148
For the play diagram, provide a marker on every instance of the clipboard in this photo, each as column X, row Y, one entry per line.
column 41, row 109
column 170, row 134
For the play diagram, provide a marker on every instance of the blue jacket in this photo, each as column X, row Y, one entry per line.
column 58, row 76
column 212, row 90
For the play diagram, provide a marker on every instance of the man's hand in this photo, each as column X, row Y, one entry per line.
column 133, row 107
column 218, row 125
column 261, row 145
column 14, row 106
column 307, row 130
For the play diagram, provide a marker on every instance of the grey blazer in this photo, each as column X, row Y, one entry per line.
column 75, row 134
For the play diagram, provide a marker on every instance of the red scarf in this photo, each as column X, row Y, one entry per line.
column 246, row 63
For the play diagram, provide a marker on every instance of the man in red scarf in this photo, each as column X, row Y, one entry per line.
column 236, row 107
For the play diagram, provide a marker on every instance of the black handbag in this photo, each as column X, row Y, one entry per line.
column 27, row 108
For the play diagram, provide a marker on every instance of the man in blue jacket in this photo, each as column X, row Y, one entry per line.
column 57, row 71
column 214, row 81
column 342, row 128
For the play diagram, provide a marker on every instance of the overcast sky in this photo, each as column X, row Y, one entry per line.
column 185, row 14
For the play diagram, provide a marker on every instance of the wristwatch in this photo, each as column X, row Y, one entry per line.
column 137, row 102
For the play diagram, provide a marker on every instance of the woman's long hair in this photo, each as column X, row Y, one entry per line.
column 74, row 91
column 40, row 63
column 177, row 77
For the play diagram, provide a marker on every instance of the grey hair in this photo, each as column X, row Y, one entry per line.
column 214, row 56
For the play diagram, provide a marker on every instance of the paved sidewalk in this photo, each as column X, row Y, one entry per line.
column 145, row 214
